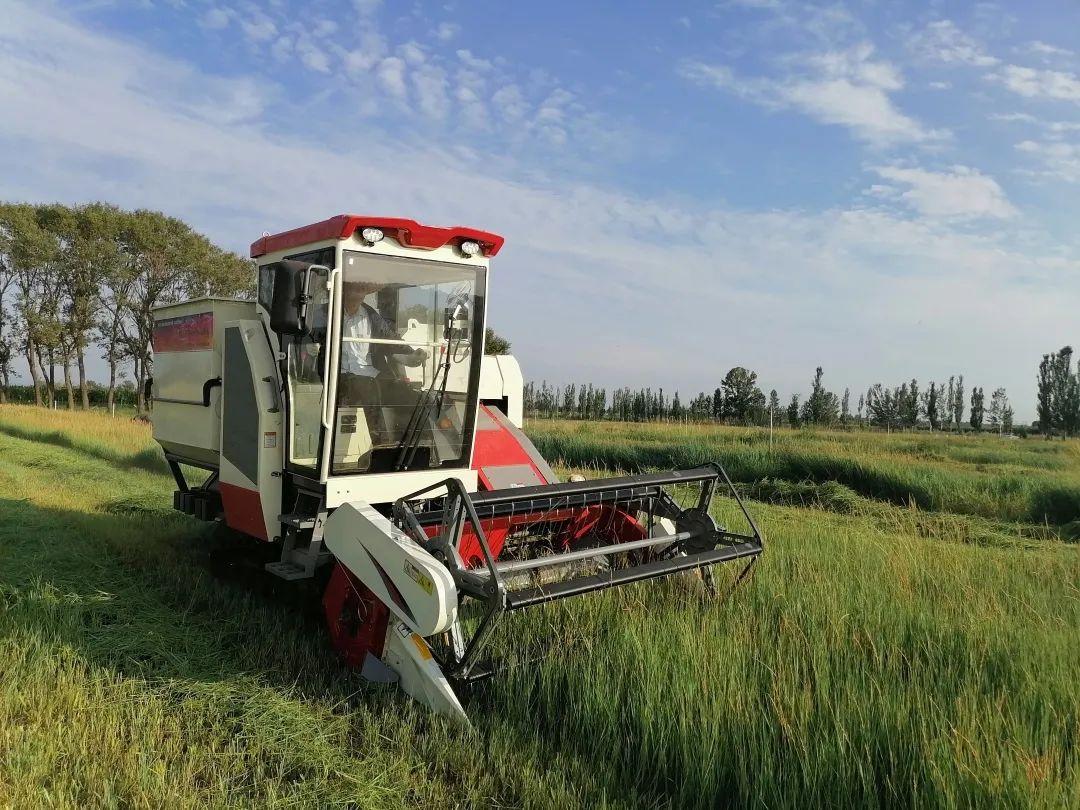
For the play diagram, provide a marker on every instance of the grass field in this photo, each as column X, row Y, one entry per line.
column 1016, row 480
column 910, row 639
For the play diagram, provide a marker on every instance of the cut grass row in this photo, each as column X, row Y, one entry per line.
column 862, row 664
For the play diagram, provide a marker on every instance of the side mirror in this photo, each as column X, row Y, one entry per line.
column 288, row 307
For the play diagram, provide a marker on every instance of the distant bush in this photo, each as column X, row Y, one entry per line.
column 99, row 396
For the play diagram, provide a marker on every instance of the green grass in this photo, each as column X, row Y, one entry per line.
column 1027, row 480
column 882, row 654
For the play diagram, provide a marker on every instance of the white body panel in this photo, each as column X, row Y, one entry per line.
column 388, row 487
column 500, row 380
column 418, row 673
column 182, row 424
column 256, row 417
column 417, row 588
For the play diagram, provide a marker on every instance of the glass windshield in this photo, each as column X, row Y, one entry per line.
column 407, row 363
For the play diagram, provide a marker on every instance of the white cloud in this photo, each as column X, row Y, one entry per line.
column 391, row 75
column 845, row 88
column 867, row 275
column 412, row 53
column 1026, row 118
column 282, row 50
column 828, row 24
column 942, row 41
column 428, row 83
column 510, row 102
column 763, row 4
column 960, row 193
column 313, row 56
column 553, row 108
column 447, row 31
column 472, row 110
column 1046, row 49
column 466, row 95
column 1054, row 128
column 372, row 48
column 214, row 18
column 1061, row 161
column 1035, row 83
column 258, row 27
column 472, row 61
column 552, row 116
column 431, row 91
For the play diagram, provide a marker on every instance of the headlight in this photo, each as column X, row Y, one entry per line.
column 470, row 248
column 371, row 235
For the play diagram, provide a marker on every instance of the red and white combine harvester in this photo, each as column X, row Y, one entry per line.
column 350, row 418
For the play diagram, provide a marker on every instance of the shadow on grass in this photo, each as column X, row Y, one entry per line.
column 105, row 598
column 150, row 459
column 165, row 600
column 159, row 597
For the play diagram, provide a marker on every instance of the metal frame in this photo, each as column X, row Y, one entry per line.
column 459, row 659
column 201, row 501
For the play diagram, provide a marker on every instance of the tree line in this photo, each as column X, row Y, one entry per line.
column 74, row 279
column 740, row 400
column 1057, row 397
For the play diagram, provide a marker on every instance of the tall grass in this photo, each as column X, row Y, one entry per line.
column 864, row 663
column 1017, row 480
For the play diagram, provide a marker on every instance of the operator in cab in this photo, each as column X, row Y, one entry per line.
column 368, row 375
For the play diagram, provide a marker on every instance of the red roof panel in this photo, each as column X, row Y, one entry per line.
column 407, row 231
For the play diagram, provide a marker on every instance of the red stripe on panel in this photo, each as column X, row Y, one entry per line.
column 186, row 333
column 498, row 448
column 243, row 510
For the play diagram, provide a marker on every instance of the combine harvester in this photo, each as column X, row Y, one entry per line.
column 350, row 417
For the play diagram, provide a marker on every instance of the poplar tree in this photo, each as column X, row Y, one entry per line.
column 958, row 403
column 977, row 409
column 950, row 400
column 933, row 393
column 909, row 407
column 1064, row 397
column 1044, row 405
column 821, row 407
column 999, row 403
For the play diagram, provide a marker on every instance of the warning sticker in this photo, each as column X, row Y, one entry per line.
column 419, row 577
column 421, row 646
column 270, row 439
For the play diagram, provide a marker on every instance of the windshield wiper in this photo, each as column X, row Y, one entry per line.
column 410, row 440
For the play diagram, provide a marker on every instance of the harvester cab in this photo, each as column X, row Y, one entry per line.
column 350, row 417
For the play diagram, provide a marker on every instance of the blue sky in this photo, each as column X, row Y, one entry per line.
column 887, row 190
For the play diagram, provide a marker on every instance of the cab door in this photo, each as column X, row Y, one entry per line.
column 309, row 371
column 251, row 431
